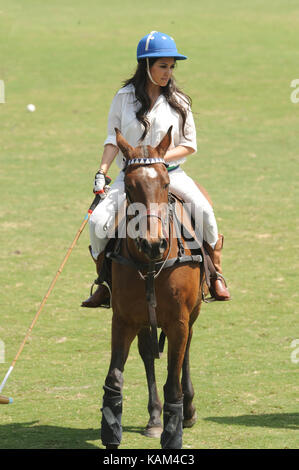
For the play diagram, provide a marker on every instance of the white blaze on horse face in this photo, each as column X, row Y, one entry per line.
column 150, row 172
column 154, row 227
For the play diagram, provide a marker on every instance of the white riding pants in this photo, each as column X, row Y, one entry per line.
column 102, row 218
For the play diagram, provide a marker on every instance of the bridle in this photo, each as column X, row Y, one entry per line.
column 151, row 274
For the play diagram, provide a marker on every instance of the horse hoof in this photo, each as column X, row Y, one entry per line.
column 111, row 446
column 188, row 423
column 153, row 431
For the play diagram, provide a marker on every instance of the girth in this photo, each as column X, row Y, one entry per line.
column 183, row 259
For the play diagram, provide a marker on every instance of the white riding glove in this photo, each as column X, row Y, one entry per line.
column 99, row 183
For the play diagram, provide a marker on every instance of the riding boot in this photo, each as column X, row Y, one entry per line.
column 101, row 297
column 218, row 287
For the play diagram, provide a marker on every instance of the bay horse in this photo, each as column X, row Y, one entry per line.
column 156, row 283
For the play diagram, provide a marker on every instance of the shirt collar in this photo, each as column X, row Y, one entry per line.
column 127, row 89
column 159, row 100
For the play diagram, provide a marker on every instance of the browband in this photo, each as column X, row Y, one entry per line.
column 145, row 161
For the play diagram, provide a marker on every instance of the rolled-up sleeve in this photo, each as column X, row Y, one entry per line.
column 114, row 120
column 189, row 139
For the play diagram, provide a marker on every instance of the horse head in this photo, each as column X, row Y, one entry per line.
column 146, row 186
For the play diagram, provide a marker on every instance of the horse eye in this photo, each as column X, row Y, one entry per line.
column 166, row 186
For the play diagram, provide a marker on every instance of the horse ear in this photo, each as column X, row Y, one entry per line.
column 165, row 143
column 124, row 146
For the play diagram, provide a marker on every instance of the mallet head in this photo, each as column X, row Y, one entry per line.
column 5, row 400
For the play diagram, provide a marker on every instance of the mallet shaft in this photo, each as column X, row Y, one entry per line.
column 45, row 299
column 5, row 378
column 86, row 218
column 50, row 288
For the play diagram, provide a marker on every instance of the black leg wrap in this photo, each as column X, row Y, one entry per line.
column 172, row 435
column 111, row 430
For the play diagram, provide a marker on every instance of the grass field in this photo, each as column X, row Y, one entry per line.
column 69, row 58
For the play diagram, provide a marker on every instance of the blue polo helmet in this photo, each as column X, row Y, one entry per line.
column 157, row 44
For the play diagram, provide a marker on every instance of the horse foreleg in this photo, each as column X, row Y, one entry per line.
column 111, row 429
column 172, row 436
column 190, row 415
column 154, row 426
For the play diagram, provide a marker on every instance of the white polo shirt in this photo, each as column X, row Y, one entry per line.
column 122, row 115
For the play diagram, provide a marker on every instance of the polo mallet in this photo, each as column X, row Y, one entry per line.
column 99, row 195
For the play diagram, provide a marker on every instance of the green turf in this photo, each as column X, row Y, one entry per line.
column 69, row 58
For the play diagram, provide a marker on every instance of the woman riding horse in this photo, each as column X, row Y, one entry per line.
column 143, row 110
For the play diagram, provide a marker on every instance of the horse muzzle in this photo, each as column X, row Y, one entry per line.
column 154, row 250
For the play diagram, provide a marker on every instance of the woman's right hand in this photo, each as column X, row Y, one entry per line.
column 99, row 183
column 110, row 152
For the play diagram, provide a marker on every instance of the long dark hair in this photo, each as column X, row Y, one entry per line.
column 170, row 91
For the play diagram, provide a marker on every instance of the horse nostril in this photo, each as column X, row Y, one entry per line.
column 163, row 244
column 144, row 244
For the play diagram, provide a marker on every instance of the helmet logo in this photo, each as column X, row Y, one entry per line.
column 150, row 36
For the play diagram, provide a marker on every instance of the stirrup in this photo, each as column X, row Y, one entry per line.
column 97, row 282
column 210, row 299
column 207, row 300
column 220, row 276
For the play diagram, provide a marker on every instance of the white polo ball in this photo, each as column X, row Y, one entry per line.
column 31, row 107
